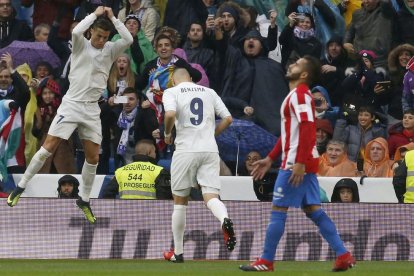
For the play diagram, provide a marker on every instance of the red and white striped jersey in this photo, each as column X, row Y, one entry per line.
column 299, row 141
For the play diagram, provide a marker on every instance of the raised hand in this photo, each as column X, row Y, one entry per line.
column 109, row 12
column 99, row 11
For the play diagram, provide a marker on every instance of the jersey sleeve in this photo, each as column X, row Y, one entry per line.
column 168, row 99
column 219, row 107
column 301, row 104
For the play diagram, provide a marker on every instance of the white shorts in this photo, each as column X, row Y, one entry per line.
column 85, row 116
column 190, row 169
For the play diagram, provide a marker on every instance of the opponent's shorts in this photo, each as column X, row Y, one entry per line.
column 81, row 115
column 190, row 169
column 286, row 195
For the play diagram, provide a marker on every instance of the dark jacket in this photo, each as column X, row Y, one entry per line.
column 356, row 137
column 399, row 180
column 293, row 48
column 18, row 30
column 404, row 25
column 345, row 183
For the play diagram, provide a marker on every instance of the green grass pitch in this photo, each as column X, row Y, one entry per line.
column 158, row 267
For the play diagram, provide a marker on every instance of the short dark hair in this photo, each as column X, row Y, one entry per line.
column 103, row 23
column 313, row 68
column 367, row 108
column 163, row 36
column 409, row 111
column 130, row 90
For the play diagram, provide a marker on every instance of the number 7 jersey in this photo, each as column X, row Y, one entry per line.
column 196, row 108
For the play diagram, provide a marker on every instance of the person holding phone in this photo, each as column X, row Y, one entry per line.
column 298, row 39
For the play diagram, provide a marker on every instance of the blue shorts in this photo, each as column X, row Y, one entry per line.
column 285, row 195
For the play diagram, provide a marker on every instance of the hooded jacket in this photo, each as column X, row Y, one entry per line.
column 383, row 168
column 345, row 183
column 396, row 72
column 345, row 167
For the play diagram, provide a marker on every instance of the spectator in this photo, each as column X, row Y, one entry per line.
column 12, row 29
column 323, row 105
column 196, row 50
column 361, row 87
column 68, row 187
column 13, row 87
column 324, row 132
column 397, row 62
column 146, row 14
column 157, row 75
column 298, row 39
column 141, row 51
column 41, row 32
column 405, row 22
column 137, row 180
column 334, row 162
column 345, row 191
column 401, row 133
column 45, row 12
column 334, row 64
column 232, row 25
column 179, row 14
column 400, row 172
column 408, row 82
column 263, row 188
column 62, row 159
column 376, row 159
column 31, row 107
column 254, row 86
column 204, row 81
column 371, row 29
column 126, row 121
column 356, row 136
column 89, row 6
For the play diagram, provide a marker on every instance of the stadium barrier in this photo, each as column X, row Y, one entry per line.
column 379, row 190
column 39, row 228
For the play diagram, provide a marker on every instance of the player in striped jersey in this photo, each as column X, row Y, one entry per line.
column 297, row 184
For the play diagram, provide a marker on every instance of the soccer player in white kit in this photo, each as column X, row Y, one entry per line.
column 192, row 108
column 91, row 61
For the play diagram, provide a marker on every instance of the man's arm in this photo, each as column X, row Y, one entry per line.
column 126, row 38
column 169, row 121
column 224, row 123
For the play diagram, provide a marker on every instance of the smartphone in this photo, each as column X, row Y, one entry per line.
column 300, row 16
column 120, row 99
column 385, row 84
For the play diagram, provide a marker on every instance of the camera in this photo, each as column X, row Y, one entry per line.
column 300, row 16
column 318, row 102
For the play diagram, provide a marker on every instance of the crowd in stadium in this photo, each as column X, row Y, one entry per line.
column 364, row 98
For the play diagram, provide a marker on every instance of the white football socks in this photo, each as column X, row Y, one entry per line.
column 35, row 165
column 88, row 177
column 218, row 209
column 178, row 222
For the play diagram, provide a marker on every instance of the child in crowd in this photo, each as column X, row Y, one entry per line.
column 62, row 159
column 345, row 191
column 357, row 136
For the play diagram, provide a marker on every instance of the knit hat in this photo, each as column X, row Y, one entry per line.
column 135, row 17
column 49, row 83
column 368, row 54
column 232, row 11
column 325, row 125
column 410, row 64
column 254, row 34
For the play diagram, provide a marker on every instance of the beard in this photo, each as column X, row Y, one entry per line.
column 292, row 76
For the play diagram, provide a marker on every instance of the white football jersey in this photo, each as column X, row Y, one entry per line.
column 196, row 108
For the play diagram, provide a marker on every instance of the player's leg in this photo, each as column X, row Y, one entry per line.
column 219, row 210
column 88, row 177
column 208, row 177
column 327, row 228
column 284, row 195
column 178, row 222
column 37, row 162
column 182, row 176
